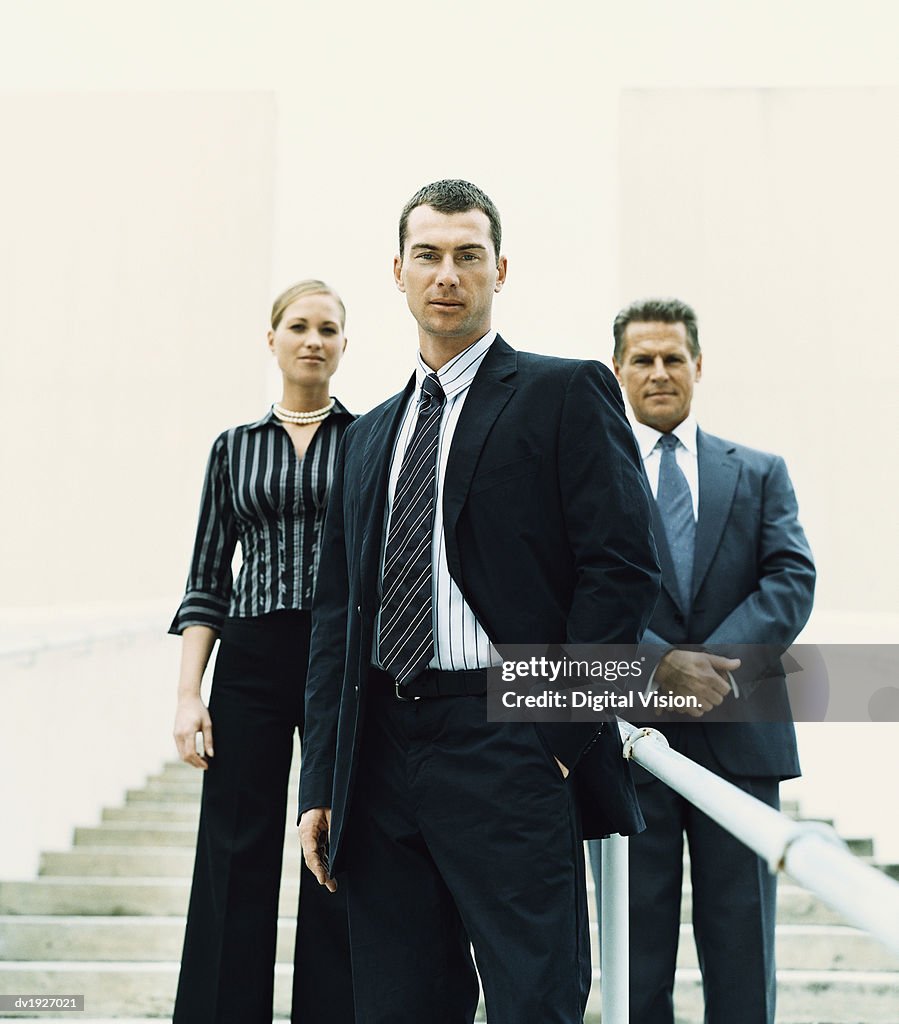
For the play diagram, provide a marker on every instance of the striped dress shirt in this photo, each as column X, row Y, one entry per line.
column 459, row 639
column 258, row 493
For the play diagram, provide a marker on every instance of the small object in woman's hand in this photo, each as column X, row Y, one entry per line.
column 324, row 853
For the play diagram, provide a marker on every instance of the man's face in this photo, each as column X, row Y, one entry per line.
column 658, row 372
column 449, row 274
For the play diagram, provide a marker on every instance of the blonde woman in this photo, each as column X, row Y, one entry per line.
column 266, row 488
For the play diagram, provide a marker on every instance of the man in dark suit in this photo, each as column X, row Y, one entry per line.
column 736, row 570
column 498, row 499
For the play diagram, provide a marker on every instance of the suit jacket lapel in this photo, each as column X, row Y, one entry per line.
column 483, row 404
column 718, row 474
column 373, row 482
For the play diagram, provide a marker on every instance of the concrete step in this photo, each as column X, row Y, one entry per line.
column 188, row 781
column 170, row 792
column 122, row 875
column 147, row 989
column 812, row 821
column 139, row 862
column 175, row 858
column 119, row 862
column 159, row 834
column 803, row 997
column 150, row 835
column 108, row 939
column 800, row 947
column 109, row 989
column 152, row 812
column 48, row 937
column 168, row 896
column 188, row 776
column 182, row 803
column 113, row 897
column 108, row 850
column 861, row 847
column 814, row 947
column 892, row 870
column 178, row 771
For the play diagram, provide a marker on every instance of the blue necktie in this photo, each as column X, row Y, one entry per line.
column 676, row 508
column 405, row 637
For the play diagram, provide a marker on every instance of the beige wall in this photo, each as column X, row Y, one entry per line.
column 134, row 285
column 134, row 282
column 774, row 212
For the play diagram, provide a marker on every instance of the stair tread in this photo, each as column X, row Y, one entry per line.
column 161, row 966
column 158, row 823
column 147, row 921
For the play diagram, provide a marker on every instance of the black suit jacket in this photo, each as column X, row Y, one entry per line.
column 753, row 583
column 547, row 526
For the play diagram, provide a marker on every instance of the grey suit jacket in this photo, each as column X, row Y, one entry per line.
column 753, row 583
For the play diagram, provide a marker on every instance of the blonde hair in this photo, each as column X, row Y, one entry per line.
column 297, row 291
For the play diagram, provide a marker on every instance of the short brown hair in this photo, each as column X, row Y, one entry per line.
column 453, row 195
column 666, row 311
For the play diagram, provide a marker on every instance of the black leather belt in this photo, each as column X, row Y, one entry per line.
column 437, row 683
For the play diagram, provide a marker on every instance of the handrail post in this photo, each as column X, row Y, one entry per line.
column 614, row 939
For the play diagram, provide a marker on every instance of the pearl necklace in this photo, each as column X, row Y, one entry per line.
column 302, row 418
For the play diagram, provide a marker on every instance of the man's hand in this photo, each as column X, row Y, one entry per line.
column 698, row 674
column 190, row 718
column 315, row 824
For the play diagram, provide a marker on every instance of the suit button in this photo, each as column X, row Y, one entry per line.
column 358, row 611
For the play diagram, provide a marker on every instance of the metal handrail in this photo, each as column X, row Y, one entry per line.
column 810, row 852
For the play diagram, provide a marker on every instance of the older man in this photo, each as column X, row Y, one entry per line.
column 736, row 570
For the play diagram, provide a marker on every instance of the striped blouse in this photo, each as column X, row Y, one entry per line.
column 257, row 492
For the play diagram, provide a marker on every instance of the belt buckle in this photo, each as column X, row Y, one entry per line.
column 402, row 697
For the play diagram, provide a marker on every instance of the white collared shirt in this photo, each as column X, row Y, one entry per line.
column 459, row 639
column 685, row 453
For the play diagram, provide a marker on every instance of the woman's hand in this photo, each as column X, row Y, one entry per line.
column 191, row 718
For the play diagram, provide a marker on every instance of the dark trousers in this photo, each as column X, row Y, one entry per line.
column 227, row 967
column 734, row 898
column 462, row 833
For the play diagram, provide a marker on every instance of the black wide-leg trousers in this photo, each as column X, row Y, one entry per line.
column 462, row 833
column 227, row 967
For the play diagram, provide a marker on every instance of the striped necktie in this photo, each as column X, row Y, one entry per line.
column 406, row 638
column 676, row 508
